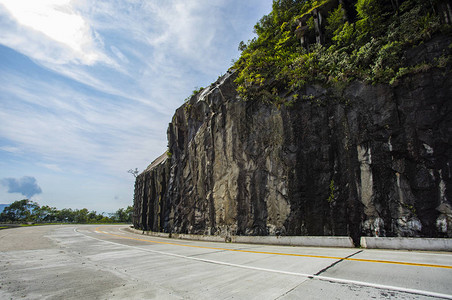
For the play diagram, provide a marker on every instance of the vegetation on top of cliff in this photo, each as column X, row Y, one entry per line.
column 362, row 39
column 196, row 91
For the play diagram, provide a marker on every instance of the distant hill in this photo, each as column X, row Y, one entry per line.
column 2, row 207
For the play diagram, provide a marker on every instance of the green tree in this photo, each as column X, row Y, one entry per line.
column 20, row 211
column 29, row 211
column 129, row 213
column 81, row 215
column 93, row 217
column 123, row 215
column 45, row 214
column 66, row 215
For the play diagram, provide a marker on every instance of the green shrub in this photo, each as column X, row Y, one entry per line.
column 335, row 21
column 368, row 9
column 369, row 49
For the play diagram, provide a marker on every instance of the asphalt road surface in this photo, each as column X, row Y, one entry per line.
column 108, row 262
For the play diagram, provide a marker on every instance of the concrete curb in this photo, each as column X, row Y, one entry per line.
column 399, row 243
column 306, row 241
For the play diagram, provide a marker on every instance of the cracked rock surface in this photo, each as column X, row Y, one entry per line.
column 363, row 160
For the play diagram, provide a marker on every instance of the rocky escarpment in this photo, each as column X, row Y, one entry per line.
column 357, row 160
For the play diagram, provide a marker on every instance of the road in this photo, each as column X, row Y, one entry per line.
column 108, row 262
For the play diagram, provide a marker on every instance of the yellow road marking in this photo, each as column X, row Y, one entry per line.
column 283, row 254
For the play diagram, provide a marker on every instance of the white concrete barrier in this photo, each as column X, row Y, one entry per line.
column 402, row 243
column 197, row 237
column 307, row 241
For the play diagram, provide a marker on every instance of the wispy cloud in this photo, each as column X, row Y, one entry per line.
column 68, row 125
column 10, row 149
column 54, row 20
column 52, row 167
column 89, row 86
column 26, row 186
column 147, row 45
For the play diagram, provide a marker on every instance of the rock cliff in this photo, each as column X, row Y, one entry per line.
column 356, row 160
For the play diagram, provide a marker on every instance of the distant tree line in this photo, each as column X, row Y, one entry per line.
column 25, row 211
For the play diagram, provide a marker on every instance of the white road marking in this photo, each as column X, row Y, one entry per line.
column 311, row 276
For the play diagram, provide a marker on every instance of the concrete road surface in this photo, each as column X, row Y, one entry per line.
column 108, row 262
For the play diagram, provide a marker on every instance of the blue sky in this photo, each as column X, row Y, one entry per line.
column 88, row 87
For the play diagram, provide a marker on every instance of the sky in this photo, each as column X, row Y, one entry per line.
column 88, row 87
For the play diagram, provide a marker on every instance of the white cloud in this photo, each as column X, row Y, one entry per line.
column 104, row 81
column 52, row 167
column 147, row 49
column 26, row 186
column 10, row 149
column 119, row 54
column 43, row 20
column 163, row 50
column 68, row 127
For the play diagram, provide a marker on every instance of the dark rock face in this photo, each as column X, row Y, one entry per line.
column 364, row 160
column 150, row 210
